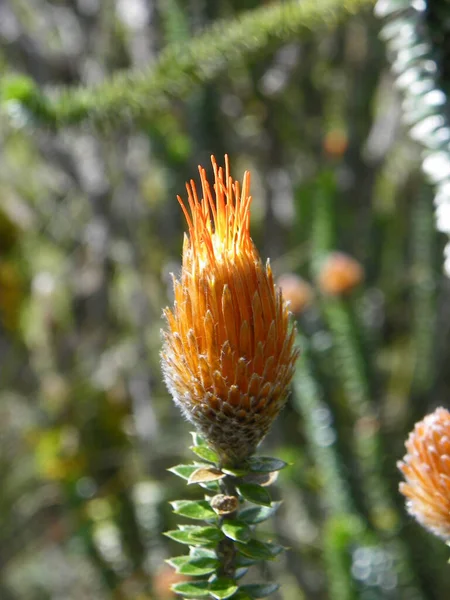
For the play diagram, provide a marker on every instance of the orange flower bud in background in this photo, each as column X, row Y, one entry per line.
column 335, row 143
column 296, row 291
column 426, row 468
column 339, row 274
column 228, row 354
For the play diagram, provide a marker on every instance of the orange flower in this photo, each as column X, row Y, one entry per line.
column 296, row 291
column 426, row 468
column 339, row 274
column 229, row 353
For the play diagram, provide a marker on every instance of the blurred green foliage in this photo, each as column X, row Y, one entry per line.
column 107, row 109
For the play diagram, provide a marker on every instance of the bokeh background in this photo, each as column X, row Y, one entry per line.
column 90, row 232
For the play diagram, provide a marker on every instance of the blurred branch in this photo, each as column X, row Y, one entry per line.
column 181, row 67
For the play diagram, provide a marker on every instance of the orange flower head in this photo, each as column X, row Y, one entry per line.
column 228, row 354
column 426, row 468
column 296, row 291
column 339, row 274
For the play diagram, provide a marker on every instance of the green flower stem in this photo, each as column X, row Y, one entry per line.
column 221, row 551
column 309, row 403
column 368, row 443
column 181, row 68
column 423, row 242
column 351, row 373
column 351, row 369
column 226, row 549
column 335, row 491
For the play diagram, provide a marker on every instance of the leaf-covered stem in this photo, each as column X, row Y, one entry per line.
column 181, row 68
column 226, row 549
column 221, row 551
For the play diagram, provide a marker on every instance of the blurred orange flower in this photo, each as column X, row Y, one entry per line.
column 229, row 353
column 426, row 468
column 296, row 291
column 339, row 274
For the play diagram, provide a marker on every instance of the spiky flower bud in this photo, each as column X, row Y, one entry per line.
column 426, row 468
column 228, row 353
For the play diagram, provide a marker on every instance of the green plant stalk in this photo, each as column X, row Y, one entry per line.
column 335, row 492
column 222, row 550
column 181, row 68
column 309, row 403
column 423, row 292
column 351, row 372
column 368, row 446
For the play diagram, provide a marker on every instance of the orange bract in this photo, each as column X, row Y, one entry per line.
column 229, row 353
column 426, row 468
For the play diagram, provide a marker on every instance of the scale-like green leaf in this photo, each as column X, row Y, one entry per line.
column 193, row 509
column 265, row 464
column 177, row 561
column 264, row 479
column 254, row 493
column 205, row 475
column 240, row 572
column 245, row 561
column 242, row 596
column 183, row 471
column 206, row 453
column 235, row 472
column 260, row 590
column 194, row 535
column 259, row 550
column 197, row 439
column 199, row 566
column 194, row 565
column 207, row 535
column 222, row 588
column 199, row 552
column 236, row 530
column 192, row 589
column 183, row 537
column 257, row 514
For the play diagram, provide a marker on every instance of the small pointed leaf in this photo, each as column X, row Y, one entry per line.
column 265, row 464
column 259, row 550
column 260, row 590
column 206, row 453
column 244, row 561
column 194, row 535
column 264, row 479
column 183, row 537
column 205, row 475
column 197, row 439
column 183, row 471
column 257, row 514
column 254, row 493
column 199, row 566
column 194, row 589
column 236, row 530
column 240, row 572
column 202, row 552
column 234, row 472
column 222, row 588
column 193, row 509
column 211, row 486
column 206, row 535
column 177, row 561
